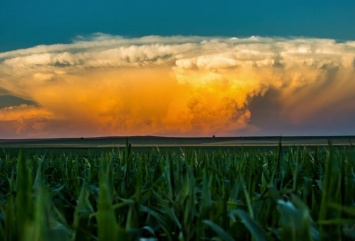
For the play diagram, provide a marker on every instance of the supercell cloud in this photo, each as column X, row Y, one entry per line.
column 179, row 86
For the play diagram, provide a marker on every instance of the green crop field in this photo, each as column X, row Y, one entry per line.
column 124, row 193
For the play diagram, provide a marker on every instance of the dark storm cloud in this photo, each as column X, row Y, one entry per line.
column 9, row 100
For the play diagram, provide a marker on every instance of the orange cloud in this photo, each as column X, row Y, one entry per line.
column 25, row 120
column 171, row 85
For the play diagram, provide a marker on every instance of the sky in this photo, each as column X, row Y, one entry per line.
column 176, row 68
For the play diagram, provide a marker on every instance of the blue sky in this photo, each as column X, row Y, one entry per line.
column 28, row 23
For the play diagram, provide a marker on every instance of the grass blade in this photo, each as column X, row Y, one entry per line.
column 253, row 227
column 223, row 234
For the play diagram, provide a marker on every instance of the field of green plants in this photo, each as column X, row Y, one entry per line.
column 293, row 193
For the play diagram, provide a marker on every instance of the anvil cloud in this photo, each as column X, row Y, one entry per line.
column 179, row 86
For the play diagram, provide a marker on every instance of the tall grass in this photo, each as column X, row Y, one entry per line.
column 250, row 194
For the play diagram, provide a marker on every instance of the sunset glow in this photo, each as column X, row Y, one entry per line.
column 175, row 86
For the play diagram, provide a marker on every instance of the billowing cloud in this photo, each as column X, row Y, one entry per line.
column 24, row 120
column 109, row 85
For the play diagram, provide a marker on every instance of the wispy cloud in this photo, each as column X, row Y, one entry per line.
column 109, row 85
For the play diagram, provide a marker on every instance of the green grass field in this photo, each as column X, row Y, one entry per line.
column 171, row 193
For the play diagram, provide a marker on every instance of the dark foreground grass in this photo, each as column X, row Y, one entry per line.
column 94, row 152
column 296, row 193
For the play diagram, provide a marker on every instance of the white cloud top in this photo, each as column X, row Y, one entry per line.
column 202, row 52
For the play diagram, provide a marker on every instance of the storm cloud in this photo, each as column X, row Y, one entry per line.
column 181, row 86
